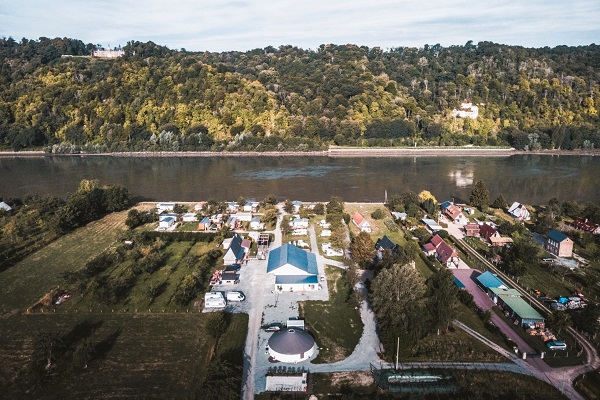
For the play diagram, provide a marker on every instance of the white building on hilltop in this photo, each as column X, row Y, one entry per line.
column 102, row 53
column 467, row 110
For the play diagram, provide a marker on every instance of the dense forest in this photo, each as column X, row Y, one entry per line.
column 54, row 95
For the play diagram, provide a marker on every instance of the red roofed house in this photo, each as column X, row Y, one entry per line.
column 444, row 253
column 488, row 231
column 360, row 221
column 456, row 215
column 586, row 226
column 472, row 230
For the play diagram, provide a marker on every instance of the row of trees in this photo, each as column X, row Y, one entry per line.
column 158, row 99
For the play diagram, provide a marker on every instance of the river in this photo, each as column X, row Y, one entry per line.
column 531, row 179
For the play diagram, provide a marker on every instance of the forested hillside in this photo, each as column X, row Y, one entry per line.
column 154, row 98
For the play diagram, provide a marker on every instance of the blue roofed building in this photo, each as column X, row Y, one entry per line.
column 295, row 270
column 559, row 244
column 236, row 252
column 489, row 281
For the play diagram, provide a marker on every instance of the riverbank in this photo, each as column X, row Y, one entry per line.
column 331, row 152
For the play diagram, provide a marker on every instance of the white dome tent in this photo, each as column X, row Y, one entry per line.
column 291, row 346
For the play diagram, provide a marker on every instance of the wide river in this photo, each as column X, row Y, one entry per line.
column 532, row 179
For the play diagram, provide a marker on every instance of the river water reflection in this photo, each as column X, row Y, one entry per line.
column 526, row 178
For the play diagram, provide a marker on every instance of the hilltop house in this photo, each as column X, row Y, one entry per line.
column 467, row 110
column 443, row 252
column 559, row 244
column 455, row 215
column 519, row 211
column 359, row 220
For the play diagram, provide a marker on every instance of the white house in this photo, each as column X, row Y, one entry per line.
column 236, row 252
column 251, row 206
column 5, row 207
column 294, row 269
column 325, row 233
column 162, row 207
column 243, row 216
column 256, row 225
column 166, row 223
column 299, row 223
column 300, row 231
column 519, row 211
column 467, row 110
column 359, row 220
column 330, row 251
column 189, row 217
column 324, row 224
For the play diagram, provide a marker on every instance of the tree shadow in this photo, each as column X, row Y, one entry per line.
column 103, row 347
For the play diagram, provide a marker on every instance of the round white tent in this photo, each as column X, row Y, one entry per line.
column 291, row 346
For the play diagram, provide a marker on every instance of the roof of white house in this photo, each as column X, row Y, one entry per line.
column 294, row 256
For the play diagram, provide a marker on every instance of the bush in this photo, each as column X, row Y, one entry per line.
column 378, row 214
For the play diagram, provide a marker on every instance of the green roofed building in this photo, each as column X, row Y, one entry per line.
column 519, row 309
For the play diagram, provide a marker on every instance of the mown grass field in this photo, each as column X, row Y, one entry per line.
column 26, row 282
column 337, row 326
column 140, row 356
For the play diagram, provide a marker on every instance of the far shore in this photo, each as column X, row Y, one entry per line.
column 332, row 152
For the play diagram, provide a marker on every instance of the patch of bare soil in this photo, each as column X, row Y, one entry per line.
column 352, row 378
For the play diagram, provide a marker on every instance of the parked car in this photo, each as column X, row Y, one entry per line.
column 556, row 345
column 274, row 327
column 235, row 296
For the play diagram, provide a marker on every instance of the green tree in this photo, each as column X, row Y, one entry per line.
column 558, row 321
column 398, row 299
column 442, row 298
column 288, row 207
column 480, row 196
column 500, row 203
column 362, row 249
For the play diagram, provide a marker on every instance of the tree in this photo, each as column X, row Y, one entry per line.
column 480, row 196
column 397, row 297
column 362, row 249
column 378, row 214
column 269, row 216
column 288, row 207
column 426, row 195
column 270, row 199
column 442, row 299
column 241, row 201
column 319, row 209
column 116, row 198
column 335, row 205
column 558, row 321
column 500, row 202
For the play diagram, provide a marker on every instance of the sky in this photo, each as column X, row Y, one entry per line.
column 202, row 25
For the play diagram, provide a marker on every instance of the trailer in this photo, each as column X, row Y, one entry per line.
column 214, row 300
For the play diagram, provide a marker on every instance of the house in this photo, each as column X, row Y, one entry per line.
column 487, row 231
column 330, row 251
column 467, row 110
column 559, row 244
column 324, row 224
column 251, row 206
column 294, row 269
column 432, row 225
column 385, row 244
column 300, row 232
column 299, row 223
column 204, row 224
column 166, row 223
column 199, row 206
column 445, row 205
column 232, row 207
column 325, row 233
column 500, row 241
column 360, row 221
column 5, row 207
column 584, row 225
column 243, row 216
column 236, row 253
column 519, row 211
column 297, row 205
column 256, row 225
column 455, row 215
column 162, row 207
column 472, row 229
column 443, row 252
column 189, row 217
column 233, row 223
column 399, row 215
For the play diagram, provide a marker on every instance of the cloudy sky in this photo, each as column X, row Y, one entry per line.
column 201, row 25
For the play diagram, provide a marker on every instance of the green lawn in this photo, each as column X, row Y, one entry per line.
column 26, row 282
column 336, row 325
column 146, row 356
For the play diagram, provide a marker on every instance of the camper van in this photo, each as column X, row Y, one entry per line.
column 214, row 300
column 235, row 296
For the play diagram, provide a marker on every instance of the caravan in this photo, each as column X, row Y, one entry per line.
column 214, row 300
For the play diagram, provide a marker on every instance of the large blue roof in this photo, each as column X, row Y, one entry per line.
column 557, row 236
column 490, row 280
column 290, row 254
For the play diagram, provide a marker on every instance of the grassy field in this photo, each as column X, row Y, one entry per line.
column 26, row 282
column 143, row 356
column 336, row 325
column 168, row 277
column 589, row 385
